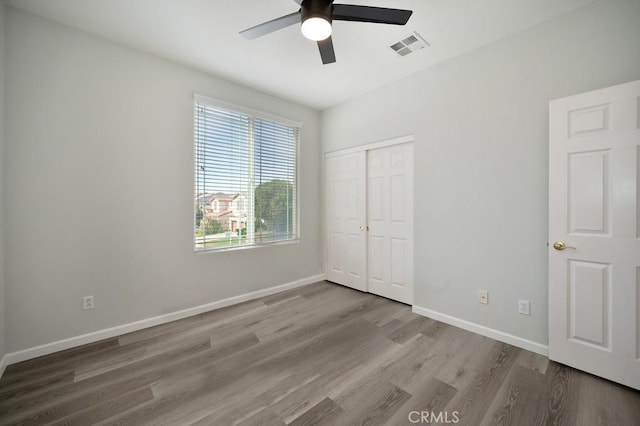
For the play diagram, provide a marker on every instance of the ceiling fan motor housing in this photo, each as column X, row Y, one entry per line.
column 317, row 9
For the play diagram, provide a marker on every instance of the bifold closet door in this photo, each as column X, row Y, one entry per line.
column 346, row 220
column 390, row 222
column 370, row 220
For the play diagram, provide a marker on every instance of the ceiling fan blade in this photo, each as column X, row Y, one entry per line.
column 271, row 26
column 327, row 53
column 379, row 15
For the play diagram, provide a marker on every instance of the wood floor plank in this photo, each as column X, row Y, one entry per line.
column 431, row 396
column 315, row 323
column 442, row 358
column 264, row 417
column 558, row 403
column 473, row 402
column 388, row 312
column 326, row 412
column 19, row 390
column 306, row 292
column 463, row 365
column 354, row 361
column 199, row 387
column 116, row 358
column 391, row 366
column 49, row 401
column 291, row 321
column 373, row 406
column 533, row 361
column 601, row 402
column 219, row 406
column 111, row 363
column 54, row 363
column 227, row 314
column 241, row 413
column 157, row 345
column 390, row 327
column 317, row 354
column 516, row 401
column 104, row 410
column 410, row 329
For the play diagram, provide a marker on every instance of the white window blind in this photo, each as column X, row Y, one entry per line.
column 245, row 177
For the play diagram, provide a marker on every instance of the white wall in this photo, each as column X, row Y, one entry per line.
column 480, row 125
column 2, row 298
column 99, row 193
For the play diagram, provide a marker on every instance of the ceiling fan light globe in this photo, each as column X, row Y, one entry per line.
column 316, row 29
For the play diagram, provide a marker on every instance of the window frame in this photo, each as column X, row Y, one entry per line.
column 252, row 114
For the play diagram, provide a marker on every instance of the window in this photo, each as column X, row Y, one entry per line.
column 246, row 177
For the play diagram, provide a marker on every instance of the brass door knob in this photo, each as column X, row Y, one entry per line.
column 559, row 245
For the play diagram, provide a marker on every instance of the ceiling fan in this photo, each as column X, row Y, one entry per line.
column 316, row 17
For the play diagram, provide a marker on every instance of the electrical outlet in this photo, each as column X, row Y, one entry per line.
column 483, row 297
column 523, row 307
column 87, row 303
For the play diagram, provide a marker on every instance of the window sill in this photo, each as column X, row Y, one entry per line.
column 203, row 250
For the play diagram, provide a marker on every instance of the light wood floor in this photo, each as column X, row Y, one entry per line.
column 320, row 354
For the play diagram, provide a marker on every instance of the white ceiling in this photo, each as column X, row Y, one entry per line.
column 204, row 34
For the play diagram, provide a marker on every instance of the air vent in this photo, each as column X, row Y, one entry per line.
column 409, row 44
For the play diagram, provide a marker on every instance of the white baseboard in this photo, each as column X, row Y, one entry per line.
column 484, row 331
column 48, row 348
column 3, row 364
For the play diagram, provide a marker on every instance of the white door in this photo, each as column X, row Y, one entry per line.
column 390, row 222
column 346, row 219
column 594, row 283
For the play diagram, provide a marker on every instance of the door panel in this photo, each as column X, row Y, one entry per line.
column 375, row 211
column 337, row 253
column 390, row 221
column 594, row 141
column 588, row 121
column 346, row 186
column 589, row 192
column 376, row 259
column 589, row 297
column 398, row 264
column 397, row 199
